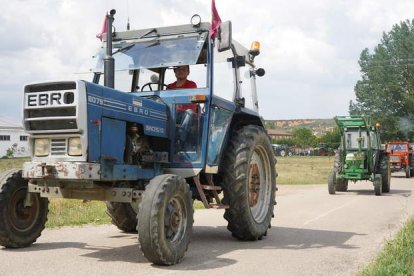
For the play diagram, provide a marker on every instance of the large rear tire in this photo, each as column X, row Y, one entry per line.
column 249, row 183
column 411, row 161
column 165, row 219
column 123, row 215
column 20, row 226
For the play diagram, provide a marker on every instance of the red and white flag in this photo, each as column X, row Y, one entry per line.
column 100, row 35
column 215, row 20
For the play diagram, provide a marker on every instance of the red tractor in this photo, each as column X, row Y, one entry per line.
column 401, row 157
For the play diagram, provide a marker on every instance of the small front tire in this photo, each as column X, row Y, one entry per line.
column 165, row 219
column 20, row 225
column 378, row 184
column 331, row 182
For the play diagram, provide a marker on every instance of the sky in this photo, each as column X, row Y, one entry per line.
column 309, row 49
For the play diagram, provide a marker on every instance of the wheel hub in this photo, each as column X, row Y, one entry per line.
column 254, row 185
column 22, row 217
column 174, row 220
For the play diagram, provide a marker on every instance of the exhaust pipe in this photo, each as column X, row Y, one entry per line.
column 109, row 62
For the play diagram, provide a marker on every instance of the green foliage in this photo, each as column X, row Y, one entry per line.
column 397, row 258
column 386, row 89
column 283, row 141
column 9, row 153
column 303, row 137
column 331, row 138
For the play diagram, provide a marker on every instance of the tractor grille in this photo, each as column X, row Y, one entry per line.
column 58, row 147
column 50, row 107
column 394, row 158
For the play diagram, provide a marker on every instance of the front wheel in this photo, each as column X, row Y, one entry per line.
column 385, row 171
column 331, row 182
column 407, row 171
column 249, row 183
column 341, row 184
column 20, row 225
column 378, row 184
column 165, row 219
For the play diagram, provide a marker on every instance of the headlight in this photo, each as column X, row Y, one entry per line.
column 41, row 147
column 75, row 146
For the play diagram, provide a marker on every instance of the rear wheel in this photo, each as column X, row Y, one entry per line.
column 165, row 219
column 411, row 165
column 123, row 215
column 249, row 183
column 378, row 184
column 20, row 225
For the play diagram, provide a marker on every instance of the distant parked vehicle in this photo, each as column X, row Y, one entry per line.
column 281, row 150
column 322, row 149
column 401, row 157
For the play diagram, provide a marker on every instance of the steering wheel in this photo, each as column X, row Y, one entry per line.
column 149, row 84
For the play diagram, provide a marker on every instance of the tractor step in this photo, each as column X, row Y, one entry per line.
column 210, row 187
column 219, row 206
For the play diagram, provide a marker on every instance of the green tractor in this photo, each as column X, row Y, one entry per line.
column 360, row 156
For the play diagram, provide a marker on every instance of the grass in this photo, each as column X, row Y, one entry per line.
column 7, row 164
column 397, row 257
column 303, row 169
column 72, row 212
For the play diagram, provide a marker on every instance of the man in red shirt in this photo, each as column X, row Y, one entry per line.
column 186, row 113
column 181, row 73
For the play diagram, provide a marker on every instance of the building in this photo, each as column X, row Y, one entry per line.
column 13, row 137
column 279, row 134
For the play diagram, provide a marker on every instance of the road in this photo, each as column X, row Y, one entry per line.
column 313, row 233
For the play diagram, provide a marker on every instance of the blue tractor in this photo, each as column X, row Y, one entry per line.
column 145, row 150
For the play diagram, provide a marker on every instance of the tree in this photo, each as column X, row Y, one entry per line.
column 304, row 137
column 332, row 138
column 386, row 89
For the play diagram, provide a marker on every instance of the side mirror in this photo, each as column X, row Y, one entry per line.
column 225, row 37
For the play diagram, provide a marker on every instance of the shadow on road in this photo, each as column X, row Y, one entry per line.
column 370, row 192
column 208, row 246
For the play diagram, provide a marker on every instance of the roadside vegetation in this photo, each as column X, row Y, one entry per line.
column 397, row 257
column 303, row 169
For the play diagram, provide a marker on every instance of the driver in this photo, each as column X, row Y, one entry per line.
column 186, row 113
column 181, row 73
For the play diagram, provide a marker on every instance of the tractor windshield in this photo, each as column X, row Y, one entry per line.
column 354, row 139
column 156, row 52
column 397, row 147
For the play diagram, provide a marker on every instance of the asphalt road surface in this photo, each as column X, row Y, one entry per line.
column 313, row 233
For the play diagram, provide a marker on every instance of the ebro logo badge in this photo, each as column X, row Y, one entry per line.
column 45, row 99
